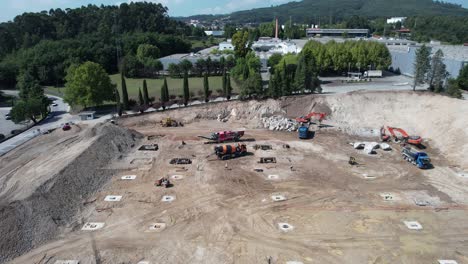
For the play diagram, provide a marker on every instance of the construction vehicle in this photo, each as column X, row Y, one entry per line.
column 405, row 138
column 169, row 122
column 304, row 132
column 312, row 117
column 230, row 151
column 224, row 136
column 371, row 74
column 66, row 127
column 163, row 182
column 420, row 159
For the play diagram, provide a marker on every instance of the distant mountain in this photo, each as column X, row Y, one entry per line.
column 311, row 11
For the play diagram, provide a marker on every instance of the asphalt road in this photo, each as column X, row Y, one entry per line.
column 58, row 116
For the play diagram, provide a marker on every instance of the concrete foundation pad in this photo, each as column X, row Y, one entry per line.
column 168, row 198
column 294, row 262
column 278, row 198
column 413, row 225
column 143, row 262
column 128, row 177
column 273, row 177
column 157, row 227
column 91, row 226
column 177, row 177
column 113, row 198
column 285, row 227
column 67, row 262
column 447, row 261
column 389, row 197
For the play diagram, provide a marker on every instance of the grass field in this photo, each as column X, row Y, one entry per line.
column 154, row 86
column 175, row 85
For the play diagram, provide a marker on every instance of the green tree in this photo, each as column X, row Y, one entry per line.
column 125, row 104
column 206, row 88
column 228, row 87
column 29, row 108
column 274, row 60
column 462, row 78
column 174, row 70
column 88, row 85
column 453, row 89
column 421, row 65
column 147, row 51
column 275, row 85
column 145, row 93
column 164, row 94
column 141, row 101
column 117, row 99
column 186, row 89
column 185, row 66
column 224, row 81
column 240, row 40
column 437, row 72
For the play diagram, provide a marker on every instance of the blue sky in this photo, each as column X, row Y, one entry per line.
column 10, row 8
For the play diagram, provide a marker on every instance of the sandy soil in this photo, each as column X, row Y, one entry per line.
column 223, row 211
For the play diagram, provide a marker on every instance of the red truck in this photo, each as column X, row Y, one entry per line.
column 224, row 136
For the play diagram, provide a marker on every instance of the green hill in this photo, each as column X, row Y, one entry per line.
column 314, row 11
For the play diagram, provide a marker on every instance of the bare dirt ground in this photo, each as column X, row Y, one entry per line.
column 223, row 211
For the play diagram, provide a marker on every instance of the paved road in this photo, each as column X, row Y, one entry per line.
column 59, row 115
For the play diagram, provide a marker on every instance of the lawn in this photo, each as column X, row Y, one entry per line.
column 175, row 85
column 154, row 86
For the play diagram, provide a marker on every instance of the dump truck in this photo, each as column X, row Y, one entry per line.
column 230, row 151
column 372, row 74
column 420, row 159
column 224, row 136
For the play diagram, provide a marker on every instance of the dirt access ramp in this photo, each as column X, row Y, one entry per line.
column 43, row 183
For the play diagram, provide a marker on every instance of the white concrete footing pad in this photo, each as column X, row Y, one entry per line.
column 285, row 227
column 177, row 177
column 157, row 227
column 128, row 177
column 168, row 198
column 113, row 198
column 143, row 262
column 91, row 226
column 273, row 177
column 294, row 262
column 413, row 225
column 447, row 261
column 278, row 198
column 67, row 262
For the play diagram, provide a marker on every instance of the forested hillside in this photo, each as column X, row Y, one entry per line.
column 326, row 11
column 47, row 43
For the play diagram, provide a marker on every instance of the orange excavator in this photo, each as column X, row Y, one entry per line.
column 413, row 140
column 311, row 117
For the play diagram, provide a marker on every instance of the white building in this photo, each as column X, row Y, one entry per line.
column 226, row 45
column 394, row 20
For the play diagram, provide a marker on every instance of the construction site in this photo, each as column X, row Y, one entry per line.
column 361, row 177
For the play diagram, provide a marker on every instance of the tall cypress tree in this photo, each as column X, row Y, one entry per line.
column 186, row 89
column 164, row 94
column 228, row 87
column 124, row 93
column 145, row 93
column 421, row 65
column 224, row 80
column 141, row 102
column 206, row 88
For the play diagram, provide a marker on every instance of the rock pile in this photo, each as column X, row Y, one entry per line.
column 280, row 123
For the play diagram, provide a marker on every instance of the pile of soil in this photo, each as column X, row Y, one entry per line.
column 40, row 200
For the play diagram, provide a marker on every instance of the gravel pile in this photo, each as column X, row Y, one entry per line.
column 55, row 205
column 280, row 123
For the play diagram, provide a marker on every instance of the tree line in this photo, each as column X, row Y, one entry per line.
column 433, row 71
column 213, row 67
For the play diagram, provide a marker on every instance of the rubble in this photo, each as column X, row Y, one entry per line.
column 280, row 123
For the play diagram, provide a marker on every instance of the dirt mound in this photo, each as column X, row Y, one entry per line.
column 43, row 197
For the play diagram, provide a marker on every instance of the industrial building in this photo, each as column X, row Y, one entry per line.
column 336, row 32
column 192, row 57
column 403, row 57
